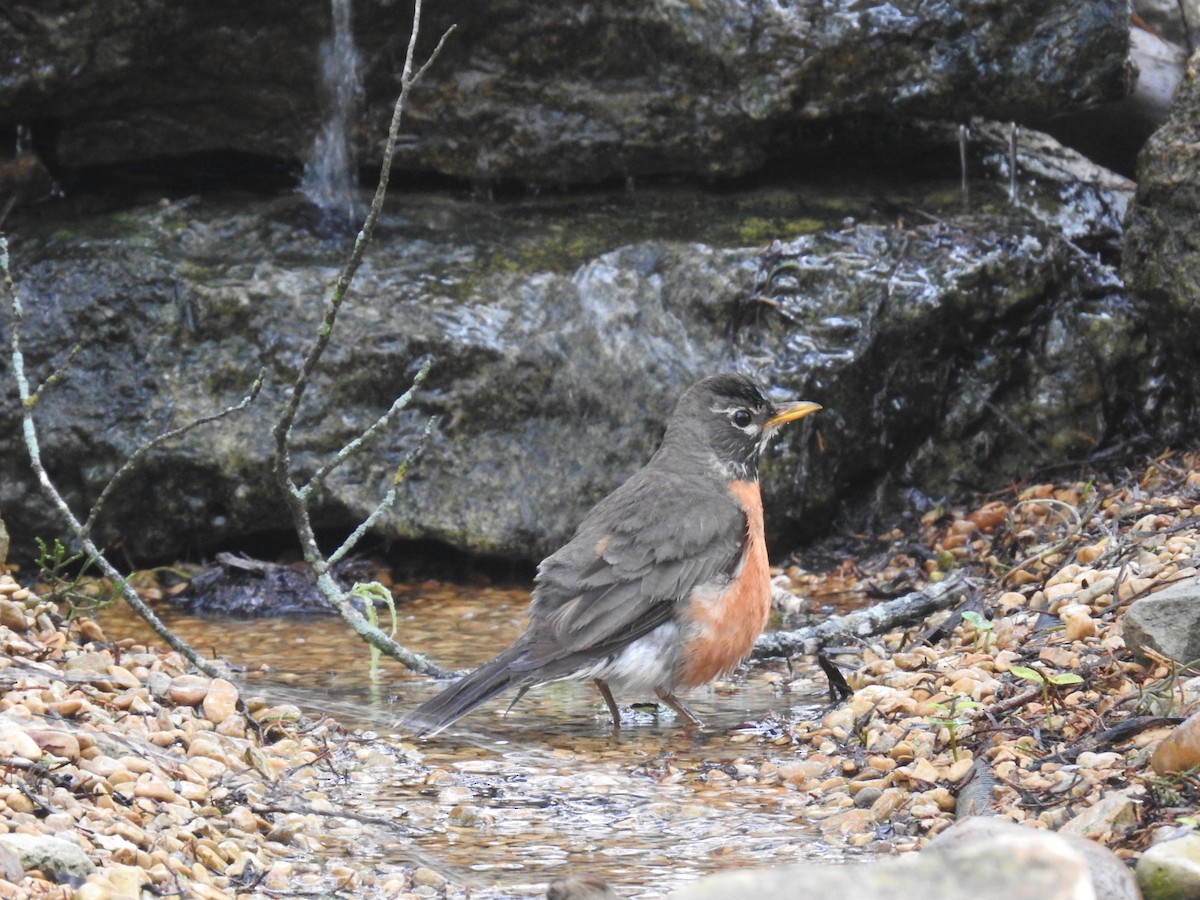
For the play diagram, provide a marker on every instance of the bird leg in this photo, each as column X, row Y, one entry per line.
column 839, row 690
column 680, row 710
column 613, row 711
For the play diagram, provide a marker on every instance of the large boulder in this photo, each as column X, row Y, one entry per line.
column 950, row 354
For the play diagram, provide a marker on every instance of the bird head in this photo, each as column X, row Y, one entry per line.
column 726, row 421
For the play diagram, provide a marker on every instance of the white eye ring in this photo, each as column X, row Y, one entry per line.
column 742, row 418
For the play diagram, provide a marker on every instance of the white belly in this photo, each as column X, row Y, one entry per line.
column 647, row 664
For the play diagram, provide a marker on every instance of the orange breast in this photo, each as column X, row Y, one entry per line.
column 720, row 627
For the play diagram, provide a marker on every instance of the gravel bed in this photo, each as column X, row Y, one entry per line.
column 1023, row 702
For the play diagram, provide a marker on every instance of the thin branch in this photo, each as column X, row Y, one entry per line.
column 297, row 497
column 78, row 529
column 138, row 454
column 283, row 427
column 54, row 377
column 352, row 448
column 388, row 498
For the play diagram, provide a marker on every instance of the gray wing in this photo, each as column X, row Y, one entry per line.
column 641, row 549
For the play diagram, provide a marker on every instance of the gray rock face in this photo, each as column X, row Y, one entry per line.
column 1162, row 253
column 949, row 356
column 1175, row 20
column 1167, row 622
column 991, row 840
column 546, row 92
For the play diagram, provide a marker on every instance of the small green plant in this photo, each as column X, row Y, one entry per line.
column 948, row 717
column 66, row 576
column 1046, row 681
column 983, row 629
column 372, row 593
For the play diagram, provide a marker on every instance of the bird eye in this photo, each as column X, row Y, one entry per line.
column 742, row 418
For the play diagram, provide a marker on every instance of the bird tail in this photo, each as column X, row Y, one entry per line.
column 464, row 695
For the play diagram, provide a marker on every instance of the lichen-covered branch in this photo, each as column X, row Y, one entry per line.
column 882, row 617
column 283, row 426
column 297, row 496
column 389, row 496
column 80, row 531
column 356, row 445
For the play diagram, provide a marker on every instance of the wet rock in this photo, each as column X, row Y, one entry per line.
column 58, row 859
column 1112, row 133
column 423, row 876
column 991, row 861
column 1162, row 255
column 15, row 742
column 88, row 663
column 113, row 882
column 580, row 887
column 238, row 585
column 543, row 94
column 1166, row 622
column 1114, row 813
column 1180, row 750
column 189, row 690
column 950, row 355
column 12, row 615
column 1170, row 869
column 1060, row 187
column 10, row 864
column 1175, row 20
column 221, row 701
column 56, row 742
column 1110, row 878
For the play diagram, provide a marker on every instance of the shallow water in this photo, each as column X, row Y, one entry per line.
column 501, row 804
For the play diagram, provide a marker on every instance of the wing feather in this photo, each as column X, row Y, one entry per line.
column 641, row 550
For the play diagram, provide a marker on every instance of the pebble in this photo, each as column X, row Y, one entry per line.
column 428, row 877
column 1179, row 751
column 188, row 690
column 14, row 742
column 159, row 795
column 57, row 743
column 12, row 615
column 220, row 702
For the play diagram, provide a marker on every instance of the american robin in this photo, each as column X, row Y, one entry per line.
column 665, row 584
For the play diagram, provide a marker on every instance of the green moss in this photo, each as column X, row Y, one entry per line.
column 757, row 230
column 562, row 255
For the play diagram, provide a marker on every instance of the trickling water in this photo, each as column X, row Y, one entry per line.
column 330, row 179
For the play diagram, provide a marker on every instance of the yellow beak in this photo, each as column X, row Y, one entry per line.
column 790, row 412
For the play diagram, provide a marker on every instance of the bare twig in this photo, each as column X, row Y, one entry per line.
column 388, row 499
column 137, row 455
column 356, row 445
column 298, row 496
column 80, row 530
